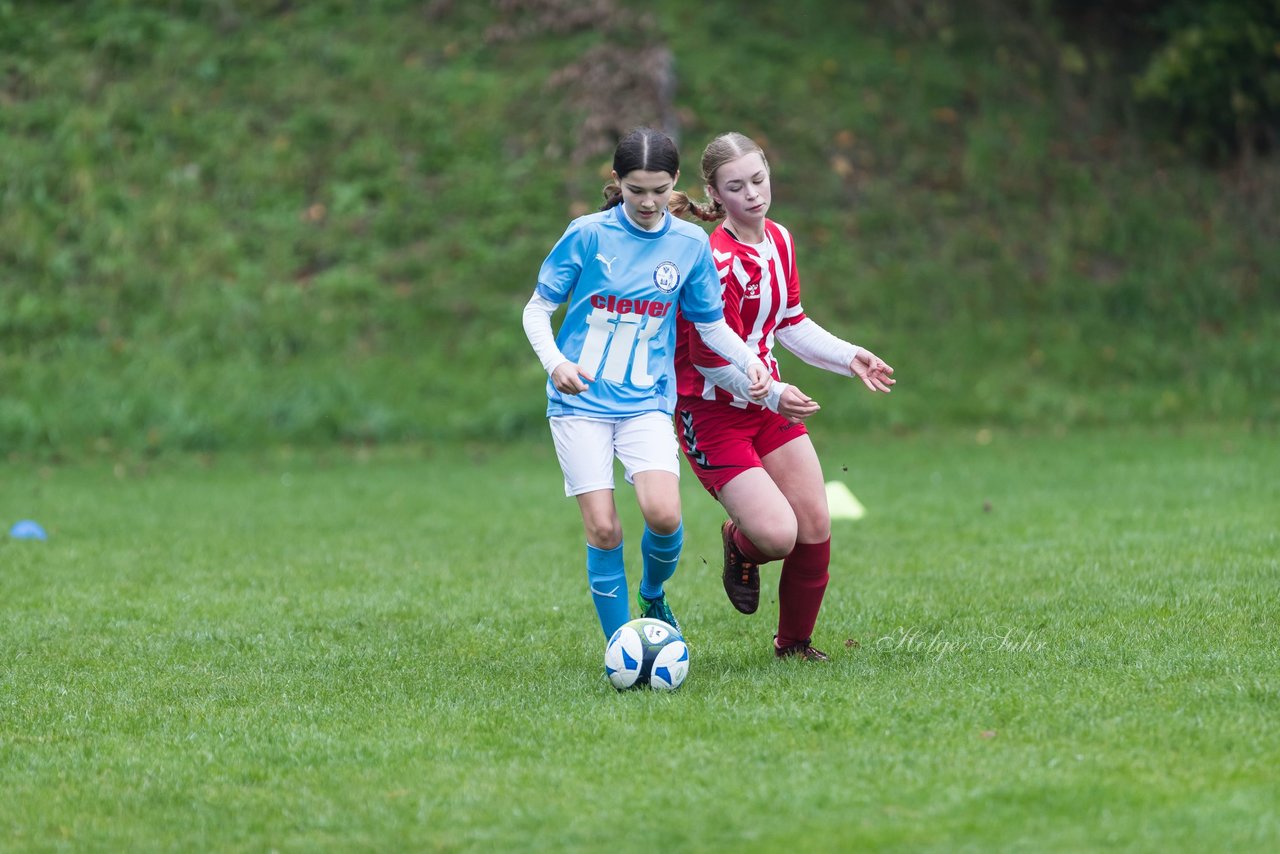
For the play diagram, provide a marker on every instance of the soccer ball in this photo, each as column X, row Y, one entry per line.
column 646, row 652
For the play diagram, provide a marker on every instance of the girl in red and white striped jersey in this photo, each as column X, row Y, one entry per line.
column 758, row 461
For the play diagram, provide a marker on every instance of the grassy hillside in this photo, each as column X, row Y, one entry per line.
column 236, row 223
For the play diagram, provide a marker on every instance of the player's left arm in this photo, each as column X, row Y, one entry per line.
column 818, row 347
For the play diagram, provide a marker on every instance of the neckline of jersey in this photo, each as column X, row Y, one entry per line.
column 637, row 230
column 762, row 243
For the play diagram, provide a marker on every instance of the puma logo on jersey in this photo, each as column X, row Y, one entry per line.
column 607, row 262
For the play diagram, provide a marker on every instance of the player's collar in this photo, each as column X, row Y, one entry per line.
column 637, row 230
column 763, row 240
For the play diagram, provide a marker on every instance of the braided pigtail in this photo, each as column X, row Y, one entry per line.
column 682, row 205
column 612, row 195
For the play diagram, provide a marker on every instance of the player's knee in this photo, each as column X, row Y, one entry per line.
column 777, row 538
column 814, row 527
column 603, row 533
column 777, row 548
column 664, row 522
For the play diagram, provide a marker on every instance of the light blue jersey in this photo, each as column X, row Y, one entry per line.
column 623, row 285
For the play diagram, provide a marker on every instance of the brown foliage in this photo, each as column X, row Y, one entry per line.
column 626, row 82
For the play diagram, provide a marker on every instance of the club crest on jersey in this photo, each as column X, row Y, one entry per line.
column 666, row 276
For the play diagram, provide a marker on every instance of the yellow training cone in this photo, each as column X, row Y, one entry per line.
column 842, row 503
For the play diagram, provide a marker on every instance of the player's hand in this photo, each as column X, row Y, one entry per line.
column 872, row 370
column 795, row 406
column 761, row 380
column 568, row 378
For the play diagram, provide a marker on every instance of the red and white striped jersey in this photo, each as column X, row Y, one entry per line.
column 760, row 287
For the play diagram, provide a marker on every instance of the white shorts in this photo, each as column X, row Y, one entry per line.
column 586, row 448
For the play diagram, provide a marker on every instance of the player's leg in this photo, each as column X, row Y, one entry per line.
column 795, row 469
column 585, row 450
column 760, row 528
column 658, row 493
column 719, row 443
column 606, row 570
column 758, row 509
column 647, row 448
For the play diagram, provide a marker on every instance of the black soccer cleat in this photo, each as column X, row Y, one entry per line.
column 741, row 577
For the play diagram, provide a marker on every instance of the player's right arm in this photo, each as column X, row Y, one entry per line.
column 717, row 339
column 743, row 364
column 558, row 276
column 565, row 375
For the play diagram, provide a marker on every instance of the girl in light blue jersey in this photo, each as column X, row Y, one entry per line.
column 622, row 274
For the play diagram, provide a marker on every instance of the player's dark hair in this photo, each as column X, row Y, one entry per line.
column 644, row 150
column 722, row 149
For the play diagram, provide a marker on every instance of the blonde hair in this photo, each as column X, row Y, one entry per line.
column 722, row 149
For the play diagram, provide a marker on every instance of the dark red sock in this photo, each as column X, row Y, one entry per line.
column 800, row 591
column 748, row 548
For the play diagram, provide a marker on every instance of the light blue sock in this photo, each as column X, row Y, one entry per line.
column 607, row 578
column 661, row 553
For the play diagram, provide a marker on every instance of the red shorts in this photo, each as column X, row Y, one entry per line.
column 721, row 441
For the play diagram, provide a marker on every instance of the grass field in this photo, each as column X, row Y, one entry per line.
column 1039, row 643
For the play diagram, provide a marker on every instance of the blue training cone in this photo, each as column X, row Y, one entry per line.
column 27, row 530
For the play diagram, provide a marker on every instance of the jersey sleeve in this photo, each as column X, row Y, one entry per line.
column 563, row 266
column 795, row 311
column 700, row 296
column 699, row 353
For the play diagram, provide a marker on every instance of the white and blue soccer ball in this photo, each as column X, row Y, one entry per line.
column 646, row 652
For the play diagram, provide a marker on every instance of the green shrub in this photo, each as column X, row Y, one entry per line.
column 1216, row 80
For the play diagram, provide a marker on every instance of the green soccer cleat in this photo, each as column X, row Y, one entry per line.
column 657, row 609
